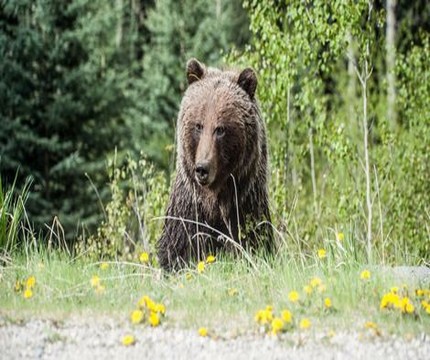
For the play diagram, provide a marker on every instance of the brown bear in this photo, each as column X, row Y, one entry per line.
column 219, row 198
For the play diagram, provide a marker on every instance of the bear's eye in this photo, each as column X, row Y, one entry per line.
column 199, row 128
column 220, row 131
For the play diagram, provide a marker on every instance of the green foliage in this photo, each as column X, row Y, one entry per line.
column 406, row 159
column 309, row 57
column 80, row 79
column 61, row 97
column 11, row 216
column 139, row 195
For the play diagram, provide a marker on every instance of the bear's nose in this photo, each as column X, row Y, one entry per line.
column 202, row 172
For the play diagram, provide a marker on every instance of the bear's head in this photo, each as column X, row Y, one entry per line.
column 218, row 126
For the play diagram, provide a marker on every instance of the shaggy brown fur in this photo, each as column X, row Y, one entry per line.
column 220, row 191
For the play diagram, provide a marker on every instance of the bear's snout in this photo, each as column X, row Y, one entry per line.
column 202, row 172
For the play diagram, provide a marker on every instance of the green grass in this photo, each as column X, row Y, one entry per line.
column 63, row 288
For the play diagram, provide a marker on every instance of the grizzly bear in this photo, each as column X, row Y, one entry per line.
column 219, row 198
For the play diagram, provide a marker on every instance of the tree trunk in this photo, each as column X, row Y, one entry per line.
column 390, row 63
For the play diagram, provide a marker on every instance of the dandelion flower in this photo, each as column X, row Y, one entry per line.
column 426, row 306
column 203, row 332
column 104, row 266
column 210, row 259
column 322, row 253
column 136, row 317
column 128, row 340
column 293, row 296
column 365, row 275
column 340, row 236
column 28, row 293
column 390, row 300
column 419, row 292
column 327, row 303
column 406, row 306
column 201, row 267
column 277, row 325
column 160, row 309
column 154, row 319
column 315, row 282
column 370, row 325
column 264, row 316
column 144, row 257
column 287, row 316
column 95, row 281
column 146, row 301
column 31, row 281
column 305, row 324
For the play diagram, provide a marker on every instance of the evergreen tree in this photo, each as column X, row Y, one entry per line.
column 63, row 95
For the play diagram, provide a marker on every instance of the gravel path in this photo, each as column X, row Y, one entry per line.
column 100, row 339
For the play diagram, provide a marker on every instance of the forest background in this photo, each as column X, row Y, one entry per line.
column 89, row 93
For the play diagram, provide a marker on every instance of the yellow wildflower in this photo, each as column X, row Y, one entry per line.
column 277, row 325
column 287, row 316
column 95, row 281
column 316, row 281
column 264, row 316
column 144, row 257
column 293, row 296
column 322, row 253
column 146, row 301
column 390, row 300
column 327, row 303
column 104, row 266
column 305, row 324
column 154, row 319
column 160, row 309
column 136, row 316
column 150, row 304
column 307, row 289
column 210, row 259
column 31, row 281
column 203, row 332
column 406, row 306
column 365, row 275
column 419, row 292
column 340, row 236
column 128, row 340
column 370, row 325
column 426, row 306
column 201, row 267
column 394, row 290
column 28, row 293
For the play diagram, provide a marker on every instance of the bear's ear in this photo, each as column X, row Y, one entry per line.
column 195, row 71
column 248, row 81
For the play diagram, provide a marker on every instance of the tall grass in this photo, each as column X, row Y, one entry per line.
column 12, row 210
